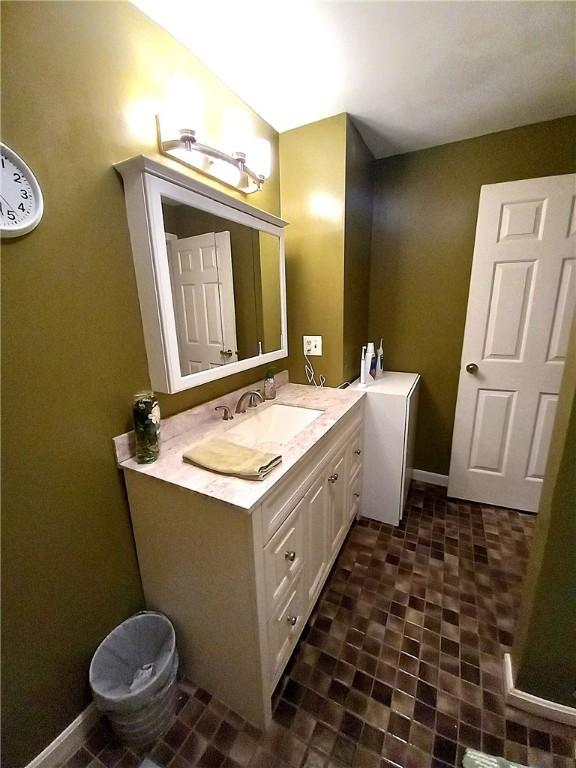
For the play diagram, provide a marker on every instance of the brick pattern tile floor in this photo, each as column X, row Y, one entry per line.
column 399, row 665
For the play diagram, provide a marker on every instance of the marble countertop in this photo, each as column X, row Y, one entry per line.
column 183, row 430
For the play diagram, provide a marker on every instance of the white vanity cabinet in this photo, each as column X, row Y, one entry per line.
column 240, row 585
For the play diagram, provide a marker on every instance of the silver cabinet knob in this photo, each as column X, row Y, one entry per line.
column 357, row 495
column 472, row 368
column 357, row 451
column 290, row 555
column 292, row 620
column 333, row 478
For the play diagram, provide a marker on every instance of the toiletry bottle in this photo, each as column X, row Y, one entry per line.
column 380, row 361
column 363, row 367
column 269, row 385
column 373, row 365
column 370, row 364
column 146, row 415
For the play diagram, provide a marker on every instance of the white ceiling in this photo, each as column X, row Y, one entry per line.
column 411, row 74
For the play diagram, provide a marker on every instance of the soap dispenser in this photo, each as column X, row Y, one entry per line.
column 270, row 384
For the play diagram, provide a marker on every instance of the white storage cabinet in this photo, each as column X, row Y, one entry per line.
column 390, row 409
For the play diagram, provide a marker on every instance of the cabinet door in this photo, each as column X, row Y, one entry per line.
column 284, row 555
column 354, row 493
column 337, row 498
column 409, row 443
column 355, row 451
column 317, row 553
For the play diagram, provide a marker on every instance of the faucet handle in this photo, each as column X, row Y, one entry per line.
column 226, row 412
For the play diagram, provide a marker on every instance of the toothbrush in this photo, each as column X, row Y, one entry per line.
column 380, row 361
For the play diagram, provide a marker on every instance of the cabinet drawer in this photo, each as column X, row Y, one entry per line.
column 285, row 627
column 355, row 451
column 284, row 556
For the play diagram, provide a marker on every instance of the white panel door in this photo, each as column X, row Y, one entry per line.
column 203, row 293
column 317, row 554
column 521, row 300
column 336, row 499
column 228, row 307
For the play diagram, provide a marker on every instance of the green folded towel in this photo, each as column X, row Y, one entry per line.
column 229, row 458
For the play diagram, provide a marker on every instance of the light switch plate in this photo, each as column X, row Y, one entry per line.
column 312, row 345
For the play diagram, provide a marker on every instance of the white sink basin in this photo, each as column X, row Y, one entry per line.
column 275, row 424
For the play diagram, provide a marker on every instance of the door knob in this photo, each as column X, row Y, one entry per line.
column 472, row 368
column 227, row 352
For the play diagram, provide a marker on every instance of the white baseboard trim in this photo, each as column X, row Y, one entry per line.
column 545, row 708
column 71, row 739
column 430, row 477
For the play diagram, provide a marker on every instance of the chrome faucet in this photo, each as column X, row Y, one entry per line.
column 226, row 412
column 252, row 398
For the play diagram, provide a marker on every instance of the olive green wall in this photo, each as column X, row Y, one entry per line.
column 425, row 208
column 357, row 241
column 80, row 86
column 312, row 183
column 544, row 656
column 325, row 172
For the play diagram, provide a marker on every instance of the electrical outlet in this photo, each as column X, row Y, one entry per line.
column 312, row 345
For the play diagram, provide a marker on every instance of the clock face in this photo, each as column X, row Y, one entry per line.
column 21, row 202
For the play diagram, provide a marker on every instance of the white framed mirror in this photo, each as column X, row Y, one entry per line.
column 210, row 273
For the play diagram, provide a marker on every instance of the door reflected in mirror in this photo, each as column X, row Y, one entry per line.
column 226, row 288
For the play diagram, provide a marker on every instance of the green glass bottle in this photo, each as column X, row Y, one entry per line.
column 146, row 414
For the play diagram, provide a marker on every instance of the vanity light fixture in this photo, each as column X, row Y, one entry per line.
column 246, row 171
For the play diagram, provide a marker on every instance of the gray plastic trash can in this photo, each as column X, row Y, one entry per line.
column 133, row 676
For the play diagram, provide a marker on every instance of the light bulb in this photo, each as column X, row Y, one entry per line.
column 259, row 157
column 169, row 122
column 236, row 131
column 194, row 158
column 226, row 172
column 183, row 107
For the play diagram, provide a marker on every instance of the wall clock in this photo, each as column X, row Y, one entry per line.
column 21, row 203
